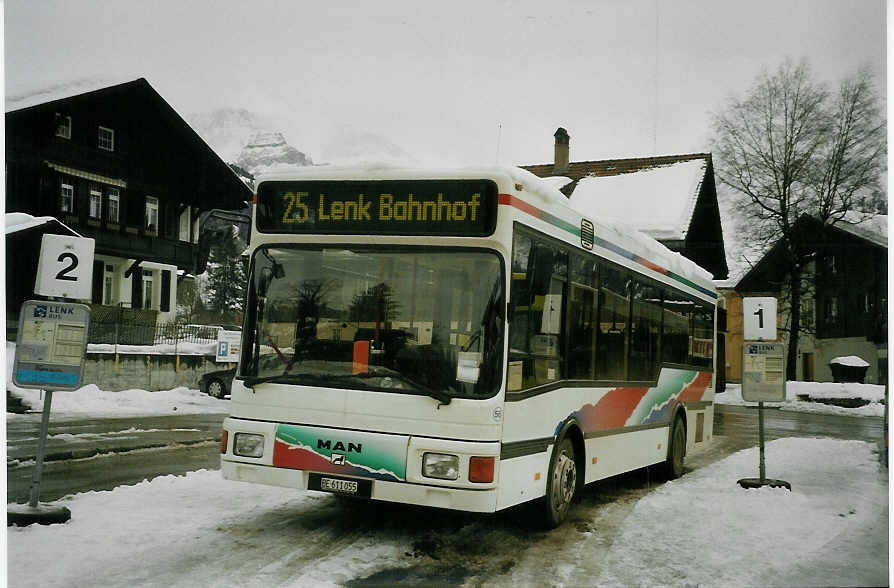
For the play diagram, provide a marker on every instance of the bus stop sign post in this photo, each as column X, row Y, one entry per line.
column 763, row 373
column 50, row 352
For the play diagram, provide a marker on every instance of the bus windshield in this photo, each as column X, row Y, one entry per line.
column 407, row 320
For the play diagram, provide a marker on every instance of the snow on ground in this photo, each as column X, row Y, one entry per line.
column 702, row 529
column 794, row 391
column 91, row 401
column 831, row 529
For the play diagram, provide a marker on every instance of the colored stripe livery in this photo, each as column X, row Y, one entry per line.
column 349, row 453
column 639, row 406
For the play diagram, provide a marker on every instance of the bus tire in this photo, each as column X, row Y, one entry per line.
column 561, row 484
column 673, row 466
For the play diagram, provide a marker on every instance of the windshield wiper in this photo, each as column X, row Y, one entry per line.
column 251, row 381
column 441, row 397
column 322, row 379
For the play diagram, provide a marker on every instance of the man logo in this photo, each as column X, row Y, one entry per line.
column 337, row 459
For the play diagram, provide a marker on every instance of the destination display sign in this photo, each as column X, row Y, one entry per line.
column 392, row 207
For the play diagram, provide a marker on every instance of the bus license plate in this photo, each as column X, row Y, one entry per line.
column 352, row 487
column 341, row 486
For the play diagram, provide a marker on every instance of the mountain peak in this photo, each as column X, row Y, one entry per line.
column 267, row 149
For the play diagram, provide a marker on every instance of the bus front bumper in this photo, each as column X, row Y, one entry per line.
column 484, row 500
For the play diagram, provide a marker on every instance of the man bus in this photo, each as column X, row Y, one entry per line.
column 461, row 339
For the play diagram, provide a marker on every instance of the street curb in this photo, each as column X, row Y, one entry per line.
column 93, row 452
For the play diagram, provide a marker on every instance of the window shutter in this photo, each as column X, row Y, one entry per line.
column 98, row 268
column 136, row 288
column 165, row 291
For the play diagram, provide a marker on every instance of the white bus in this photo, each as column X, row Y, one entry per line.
column 461, row 339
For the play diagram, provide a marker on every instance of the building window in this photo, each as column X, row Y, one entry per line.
column 113, row 211
column 807, row 313
column 831, row 310
column 106, row 139
column 66, row 198
column 107, row 284
column 95, row 203
column 147, row 291
column 63, row 126
column 830, row 264
column 107, row 292
column 151, row 214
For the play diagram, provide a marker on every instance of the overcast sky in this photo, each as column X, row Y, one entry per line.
column 452, row 80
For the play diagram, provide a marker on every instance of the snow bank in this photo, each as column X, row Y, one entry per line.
column 159, row 349
column 872, row 393
column 868, row 392
column 90, row 401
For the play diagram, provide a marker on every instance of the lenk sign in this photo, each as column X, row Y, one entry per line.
column 51, row 345
column 400, row 207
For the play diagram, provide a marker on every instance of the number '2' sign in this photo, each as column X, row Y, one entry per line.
column 65, row 268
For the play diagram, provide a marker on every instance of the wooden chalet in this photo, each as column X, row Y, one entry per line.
column 844, row 308
column 117, row 164
column 671, row 198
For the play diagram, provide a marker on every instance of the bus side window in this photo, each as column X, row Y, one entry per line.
column 701, row 340
column 582, row 318
column 538, row 294
column 614, row 315
column 675, row 329
column 645, row 332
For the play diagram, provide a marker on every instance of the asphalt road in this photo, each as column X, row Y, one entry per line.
column 102, row 454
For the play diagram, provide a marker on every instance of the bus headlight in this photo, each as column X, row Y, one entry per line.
column 248, row 445
column 440, row 465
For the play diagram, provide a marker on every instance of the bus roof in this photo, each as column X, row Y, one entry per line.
column 529, row 188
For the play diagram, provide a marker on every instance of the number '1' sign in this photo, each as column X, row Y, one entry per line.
column 759, row 315
column 65, row 268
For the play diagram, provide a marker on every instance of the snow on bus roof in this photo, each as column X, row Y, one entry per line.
column 615, row 230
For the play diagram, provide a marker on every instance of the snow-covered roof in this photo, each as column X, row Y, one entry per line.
column 18, row 98
column 850, row 361
column 557, row 182
column 873, row 229
column 658, row 201
column 20, row 221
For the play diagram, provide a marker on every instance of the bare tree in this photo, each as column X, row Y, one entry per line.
column 790, row 147
column 852, row 158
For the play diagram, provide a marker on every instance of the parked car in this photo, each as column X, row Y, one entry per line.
column 217, row 384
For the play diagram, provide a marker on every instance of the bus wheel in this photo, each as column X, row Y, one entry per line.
column 673, row 467
column 561, row 484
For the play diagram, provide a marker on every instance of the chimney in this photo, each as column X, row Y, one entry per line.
column 561, row 154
